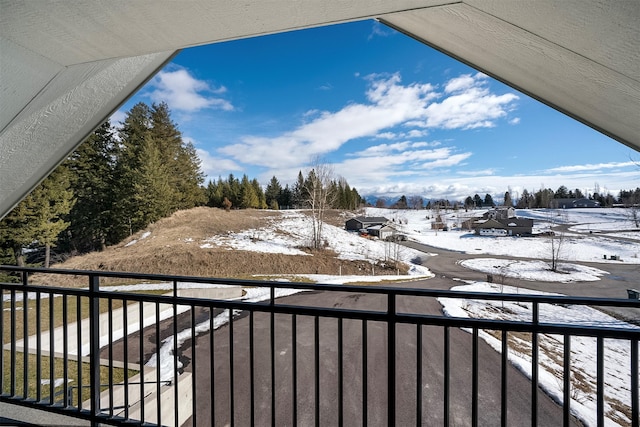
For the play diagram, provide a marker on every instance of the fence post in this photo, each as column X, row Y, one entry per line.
column 391, row 360
column 94, row 345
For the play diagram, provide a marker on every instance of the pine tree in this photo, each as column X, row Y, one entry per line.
column 17, row 229
column 488, row 200
column 262, row 200
column 248, row 197
column 298, row 192
column 468, row 202
column 214, row 194
column 91, row 167
column 180, row 159
column 273, row 192
column 286, row 197
column 133, row 137
column 39, row 217
column 154, row 194
column 53, row 200
column 402, row 202
column 507, row 199
column 477, row 200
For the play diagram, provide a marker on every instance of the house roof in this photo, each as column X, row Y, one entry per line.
column 67, row 66
column 504, row 223
column 371, row 219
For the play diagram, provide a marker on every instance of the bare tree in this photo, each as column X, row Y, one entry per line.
column 556, row 243
column 318, row 196
column 393, row 251
column 416, row 202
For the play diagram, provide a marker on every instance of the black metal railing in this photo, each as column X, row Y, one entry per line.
column 330, row 355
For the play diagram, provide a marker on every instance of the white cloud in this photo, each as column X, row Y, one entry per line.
column 117, row 118
column 379, row 30
column 183, row 92
column 476, row 107
column 483, row 172
column 213, row 166
column 455, row 187
column 461, row 83
column 591, row 167
column 388, row 104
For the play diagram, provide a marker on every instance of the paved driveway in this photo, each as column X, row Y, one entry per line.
column 432, row 381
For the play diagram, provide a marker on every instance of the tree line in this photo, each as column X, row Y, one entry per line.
column 243, row 193
column 121, row 179
column 543, row 198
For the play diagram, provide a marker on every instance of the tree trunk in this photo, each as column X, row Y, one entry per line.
column 17, row 254
column 47, row 255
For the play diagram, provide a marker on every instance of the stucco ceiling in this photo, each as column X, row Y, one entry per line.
column 66, row 66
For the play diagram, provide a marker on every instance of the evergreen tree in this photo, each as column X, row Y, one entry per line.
column 561, row 193
column 286, row 198
column 214, row 194
column 91, row 167
column 507, row 199
column 401, row 203
column 298, row 192
column 273, row 192
column 154, row 194
column 231, row 190
column 53, row 200
column 477, row 200
column 134, row 137
column 39, row 217
column 248, row 197
column 262, row 201
column 468, row 202
column 180, row 159
column 488, row 200
column 17, row 229
column 526, row 200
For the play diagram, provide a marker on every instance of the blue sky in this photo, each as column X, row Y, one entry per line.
column 388, row 113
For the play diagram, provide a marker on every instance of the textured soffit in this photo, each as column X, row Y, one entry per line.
column 66, row 66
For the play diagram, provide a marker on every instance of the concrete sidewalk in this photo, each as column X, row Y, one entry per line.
column 117, row 324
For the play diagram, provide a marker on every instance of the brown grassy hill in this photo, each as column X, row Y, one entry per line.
column 172, row 246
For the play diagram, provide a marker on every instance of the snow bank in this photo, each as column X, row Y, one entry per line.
column 617, row 377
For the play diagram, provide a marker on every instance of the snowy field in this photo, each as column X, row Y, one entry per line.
column 583, row 351
column 589, row 235
column 585, row 240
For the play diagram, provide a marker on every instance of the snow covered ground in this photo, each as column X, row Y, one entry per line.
column 588, row 238
column 584, row 240
column 583, row 350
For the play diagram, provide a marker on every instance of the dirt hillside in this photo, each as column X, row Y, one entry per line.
column 173, row 246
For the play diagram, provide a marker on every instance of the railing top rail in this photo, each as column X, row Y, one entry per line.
column 384, row 290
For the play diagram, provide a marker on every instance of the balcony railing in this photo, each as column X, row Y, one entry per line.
column 328, row 355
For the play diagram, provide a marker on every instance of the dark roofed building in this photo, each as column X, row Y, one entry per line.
column 504, row 227
column 574, row 203
column 364, row 222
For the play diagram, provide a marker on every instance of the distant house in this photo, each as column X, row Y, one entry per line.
column 364, row 222
column 574, row 203
column 503, row 227
column 383, row 232
column 501, row 212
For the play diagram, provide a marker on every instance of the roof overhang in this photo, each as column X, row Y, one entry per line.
column 67, row 66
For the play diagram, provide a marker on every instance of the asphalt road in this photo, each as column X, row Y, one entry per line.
column 444, row 265
column 214, row 407
column 213, row 397
column 432, row 384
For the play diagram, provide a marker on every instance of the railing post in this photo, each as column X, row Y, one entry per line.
column 391, row 360
column 534, row 365
column 94, row 346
